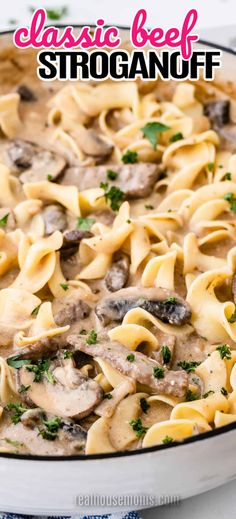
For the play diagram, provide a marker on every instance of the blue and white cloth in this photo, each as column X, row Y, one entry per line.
column 129, row 515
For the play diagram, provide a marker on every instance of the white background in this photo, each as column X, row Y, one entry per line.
column 217, row 22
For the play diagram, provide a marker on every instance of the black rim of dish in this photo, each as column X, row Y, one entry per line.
column 83, row 457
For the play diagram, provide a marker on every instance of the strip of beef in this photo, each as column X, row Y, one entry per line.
column 33, row 162
column 135, row 180
column 118, row 274
column 142, row 368
column 71, row 241
column 167, row 306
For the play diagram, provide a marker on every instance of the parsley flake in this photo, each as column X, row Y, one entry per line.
column 189, row 367
column 144, row 405
column 167, row 440
column 111, row 175
column 85, row 224
column 166, row 354
column 92, row 337
column 130, row 357
column 130, row 157
column 151, row 131
column 3, row 220
column 158, row 372
column 176, row 137
column 224, row 351
column 113, row 194
column 138, row 427
column 65, row 286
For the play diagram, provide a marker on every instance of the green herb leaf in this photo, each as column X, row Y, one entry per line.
column 85, row 224
column 40, row 369
column 166, row 354
column 19, row 411
column 53, row 13
column 149, row 206
column 144, row 405
column 227, row 176
column 176, row 137
column 229, row 197
column 232, row 319
column 130, row 157
column 108, row 396
column 130, row 357
column 3, row 221
column 23, row 388
column 65, row 286
column 190, row 396
column 167, row 440
column 224, row 391
column 67, row 354
column 113, row 194
column 158, row 372
column 151, row 131
column 138, row 427
column 16, row 362
column 188, row 366
column 224, row 351
column 111, row 175
column 92, row 337
column 210, row 392
column 50, row 177
column 211, row 166
column 170, row 300
column 14, row 443
column 35, row 311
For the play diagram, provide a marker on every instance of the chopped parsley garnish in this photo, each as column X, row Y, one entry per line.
column 224, row 351
column 18, row 409
column 138, row 427
column 14, row 443
column 224, row 391
column 54, row 13
column 144, row 405
column 12, row 21
column 23, row 388
column 130, row 357
column 50, row 177
column 3, row 220
column 166, row 354
column 85, row 224
column 210, row 392
column 190, row 396
column 16, row 362
column 229, row 197
column 83, row 332
column 128, row 221
column 92, row 337
column 210, row 166
column 50, row 432
column 151, row 131
column 111, row 175
column 149, row 206
column 188, row 366
column 170, row 300
column 227, row 176
column 167, row 440
column 158, row 372
column 176, row 137
column 35, row 311
column 130, row 157
column 67, row 354
column 40, row 369
column 65, row 286
column 108, row 396
column 113, row 194
column 232, row 319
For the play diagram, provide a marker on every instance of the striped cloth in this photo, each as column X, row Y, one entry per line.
column 129, row 515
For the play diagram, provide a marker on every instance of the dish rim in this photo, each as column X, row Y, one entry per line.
column 145, row 450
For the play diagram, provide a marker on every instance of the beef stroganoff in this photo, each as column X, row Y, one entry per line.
column 117, row 263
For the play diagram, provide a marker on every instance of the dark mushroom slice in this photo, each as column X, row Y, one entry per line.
column 142, row 368
column 33, row 162
column 54, row 218
column 118, row 274
column 93, row 144
column 32, row 418
column 73, row 310
column 71, row 241
column 26, row 94
column 218, row 112
column 66, row 392
column 167, row 306
column 134, row 180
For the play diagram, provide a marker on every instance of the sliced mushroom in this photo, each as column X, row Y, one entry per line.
column 167, row 306
column 54, row 218
column 135, row 180
column 40, row 164
column 70, row 394
column 43, row 348
column 93, row 144
column 118, row 274
column 73, row 310
column 218, row 112
column 32, row 418
column 142, row 368
column 71, row 241
column 26, row 94
column 108, row 405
